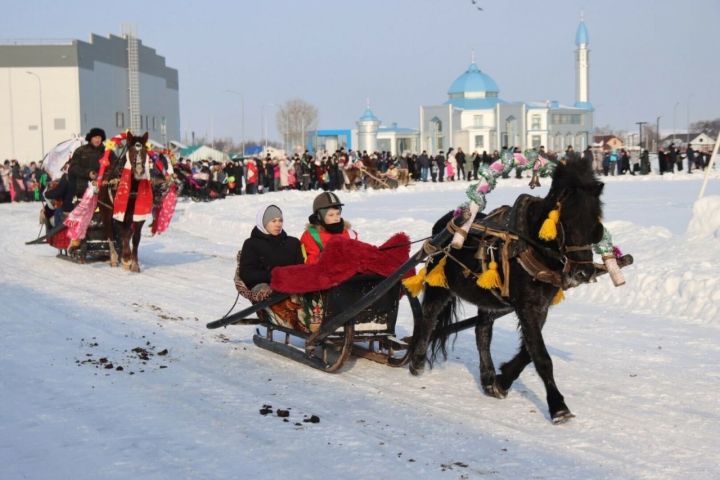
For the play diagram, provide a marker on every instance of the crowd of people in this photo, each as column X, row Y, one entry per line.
column 208, row 179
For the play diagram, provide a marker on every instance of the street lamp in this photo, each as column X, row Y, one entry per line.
column 242, row 119
column 657, row 134
column 42, row 130
column 640, row 126
column 264, row 119
column 674, row 114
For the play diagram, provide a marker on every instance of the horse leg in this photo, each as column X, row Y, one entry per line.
column 137, row 231
column 531, row 324
column 483, row 338
column 434, row 302
column 511, row 370
column 125, row 234
column 107, row 221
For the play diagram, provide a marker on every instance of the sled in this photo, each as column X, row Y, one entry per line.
column 358, row 318
column 50, row 233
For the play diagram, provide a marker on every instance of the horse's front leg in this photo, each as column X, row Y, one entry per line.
column 125, row 234
column 434, row 303
column 531, row 322
column 137, row 232
column 483, row 339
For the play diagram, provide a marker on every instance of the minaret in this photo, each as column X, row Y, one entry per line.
column 368, row 126
column 582, row 66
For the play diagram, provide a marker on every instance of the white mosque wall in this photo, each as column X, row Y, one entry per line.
column 435, row 128
column 20, row 131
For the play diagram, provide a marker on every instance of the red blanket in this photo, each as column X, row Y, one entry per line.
column 341, row 259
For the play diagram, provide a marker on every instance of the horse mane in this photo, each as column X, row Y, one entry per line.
column 578, row 189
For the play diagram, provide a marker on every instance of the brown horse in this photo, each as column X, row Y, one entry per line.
column 368, row 173
column 126, row 180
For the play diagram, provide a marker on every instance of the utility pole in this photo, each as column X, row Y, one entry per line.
column 657, row 134
column 640, row 126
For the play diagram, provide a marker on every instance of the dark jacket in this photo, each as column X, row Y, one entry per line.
column 85, row 159
column 262, row 252
column 61, row 191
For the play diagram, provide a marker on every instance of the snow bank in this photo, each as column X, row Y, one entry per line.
column 705, row 222
column 672, row 275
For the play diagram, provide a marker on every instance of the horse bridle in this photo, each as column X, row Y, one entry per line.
column 565, row 249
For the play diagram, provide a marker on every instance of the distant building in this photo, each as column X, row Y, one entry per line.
column 608, row 142
column 475, row 117
column 697, row 140
column 78, row 85
column 370, row 135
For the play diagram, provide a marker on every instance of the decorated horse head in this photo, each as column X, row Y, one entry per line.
column 518, row 260
column 137, row 155
column 575, row 197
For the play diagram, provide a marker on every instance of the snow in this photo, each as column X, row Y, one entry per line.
column 638, row 364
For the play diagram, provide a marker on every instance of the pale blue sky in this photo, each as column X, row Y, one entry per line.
column 647, row 58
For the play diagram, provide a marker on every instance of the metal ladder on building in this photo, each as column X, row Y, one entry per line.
column 133, row 78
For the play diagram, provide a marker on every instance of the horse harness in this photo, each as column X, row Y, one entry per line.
column 504, row 229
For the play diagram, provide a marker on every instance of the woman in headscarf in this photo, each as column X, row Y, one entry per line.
column 268, row 247
column 325, row 222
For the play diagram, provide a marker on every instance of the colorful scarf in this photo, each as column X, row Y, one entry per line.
column 144, row 198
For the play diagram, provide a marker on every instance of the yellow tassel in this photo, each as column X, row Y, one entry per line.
column 548, row 231
column 415, row 283
column 436, row 277
column 490, row 278
column 559, row 297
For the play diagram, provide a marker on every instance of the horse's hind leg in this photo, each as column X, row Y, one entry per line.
column 434, row 302
column 483, row 338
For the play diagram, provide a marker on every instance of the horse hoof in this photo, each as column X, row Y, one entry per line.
column 562, row 416
column 417, row 370
column 495, row 391
column 135, row 268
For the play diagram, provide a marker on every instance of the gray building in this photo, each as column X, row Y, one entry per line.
column 52, row 91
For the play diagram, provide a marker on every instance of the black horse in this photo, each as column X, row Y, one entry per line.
column 577, row 192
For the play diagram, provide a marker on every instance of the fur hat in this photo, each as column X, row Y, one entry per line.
column 95, row 132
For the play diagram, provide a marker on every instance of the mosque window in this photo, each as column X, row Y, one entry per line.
column 479, row 141
column 535, row 122
column 478, row 121
column 536, row 141
column 566, row 119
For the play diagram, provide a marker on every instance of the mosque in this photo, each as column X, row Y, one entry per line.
column 476, row 118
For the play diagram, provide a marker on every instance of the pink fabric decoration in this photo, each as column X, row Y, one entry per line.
column 167, row 209
column 79, row 219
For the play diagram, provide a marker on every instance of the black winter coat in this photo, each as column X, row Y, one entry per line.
column 262, row 252
column 85, row 159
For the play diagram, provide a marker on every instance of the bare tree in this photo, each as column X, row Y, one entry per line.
column 294, row 119
column 708, row 127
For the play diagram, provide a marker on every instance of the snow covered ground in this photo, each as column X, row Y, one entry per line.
column 638, row 365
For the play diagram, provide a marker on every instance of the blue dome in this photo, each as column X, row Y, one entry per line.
column 473, row 80
column 582, row 35
column 368, row 116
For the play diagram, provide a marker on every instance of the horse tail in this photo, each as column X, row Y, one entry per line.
column 440, row 335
